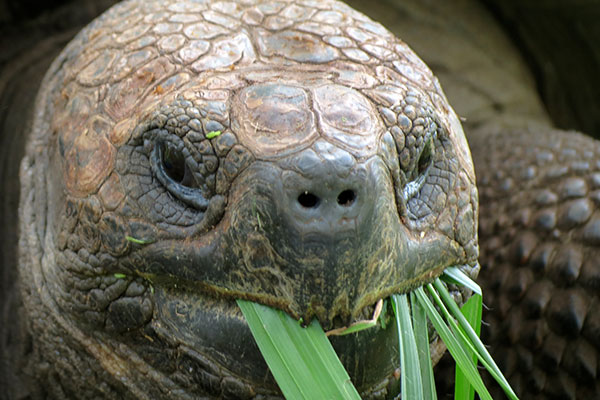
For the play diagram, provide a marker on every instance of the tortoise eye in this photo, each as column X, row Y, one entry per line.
column 418, row 176
column 173, row 163
column 170, row 168
column 426, row 157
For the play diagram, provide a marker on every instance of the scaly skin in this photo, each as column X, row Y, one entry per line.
column 541, row 221
column 486, row 87
column 138, row 229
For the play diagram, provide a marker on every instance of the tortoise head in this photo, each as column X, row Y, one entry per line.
column 198, row 154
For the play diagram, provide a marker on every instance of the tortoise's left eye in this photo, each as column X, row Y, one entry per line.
column 426, row 156
column 417, row 175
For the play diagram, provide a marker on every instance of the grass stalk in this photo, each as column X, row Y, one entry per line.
column 305, row 365
column 412, row 387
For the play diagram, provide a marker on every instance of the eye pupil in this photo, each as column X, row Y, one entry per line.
column 425, row 157
column 173, row 164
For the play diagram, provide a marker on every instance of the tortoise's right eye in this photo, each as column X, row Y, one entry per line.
column 170, row 168
column 173, row 163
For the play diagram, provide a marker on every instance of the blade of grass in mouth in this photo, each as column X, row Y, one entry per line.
column 469, row 336
column 305, row 365
column 419, row 317
column 455, row 347
column 472, row 311
column 412, row 387
column 302, row 360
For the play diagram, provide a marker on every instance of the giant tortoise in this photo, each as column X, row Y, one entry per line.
column 182, row 154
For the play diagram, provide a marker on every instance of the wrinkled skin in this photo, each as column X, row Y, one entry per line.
column 547, row 348
column 544, row 282
column 184, row 155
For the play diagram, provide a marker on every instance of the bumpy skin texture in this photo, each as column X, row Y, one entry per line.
column 171, row 148
column 540, row 224
column 494, row 93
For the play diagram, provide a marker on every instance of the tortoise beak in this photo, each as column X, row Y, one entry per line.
column 320, row 245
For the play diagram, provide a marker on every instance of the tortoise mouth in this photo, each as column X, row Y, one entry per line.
column 212, row 337
column 211, row 344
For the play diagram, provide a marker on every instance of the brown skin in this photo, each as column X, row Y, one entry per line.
column 546, row 276
column 485, row 87
column 139, row 229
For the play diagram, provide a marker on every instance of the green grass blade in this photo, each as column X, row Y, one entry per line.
column 273, row 346
column 456, row 276
column 459, row 333
column 302, row 360
column 361, row 326
column 137, row 241
column 419, row 318
column 472, row 311
column 481, row 351
column 412, row 387
column 452, row 343
column 383, row 316
column 213, row 134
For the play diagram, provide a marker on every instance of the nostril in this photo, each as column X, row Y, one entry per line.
column 308, row 200
column 346, row 198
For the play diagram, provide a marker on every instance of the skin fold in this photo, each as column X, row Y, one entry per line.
column 218, row 228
